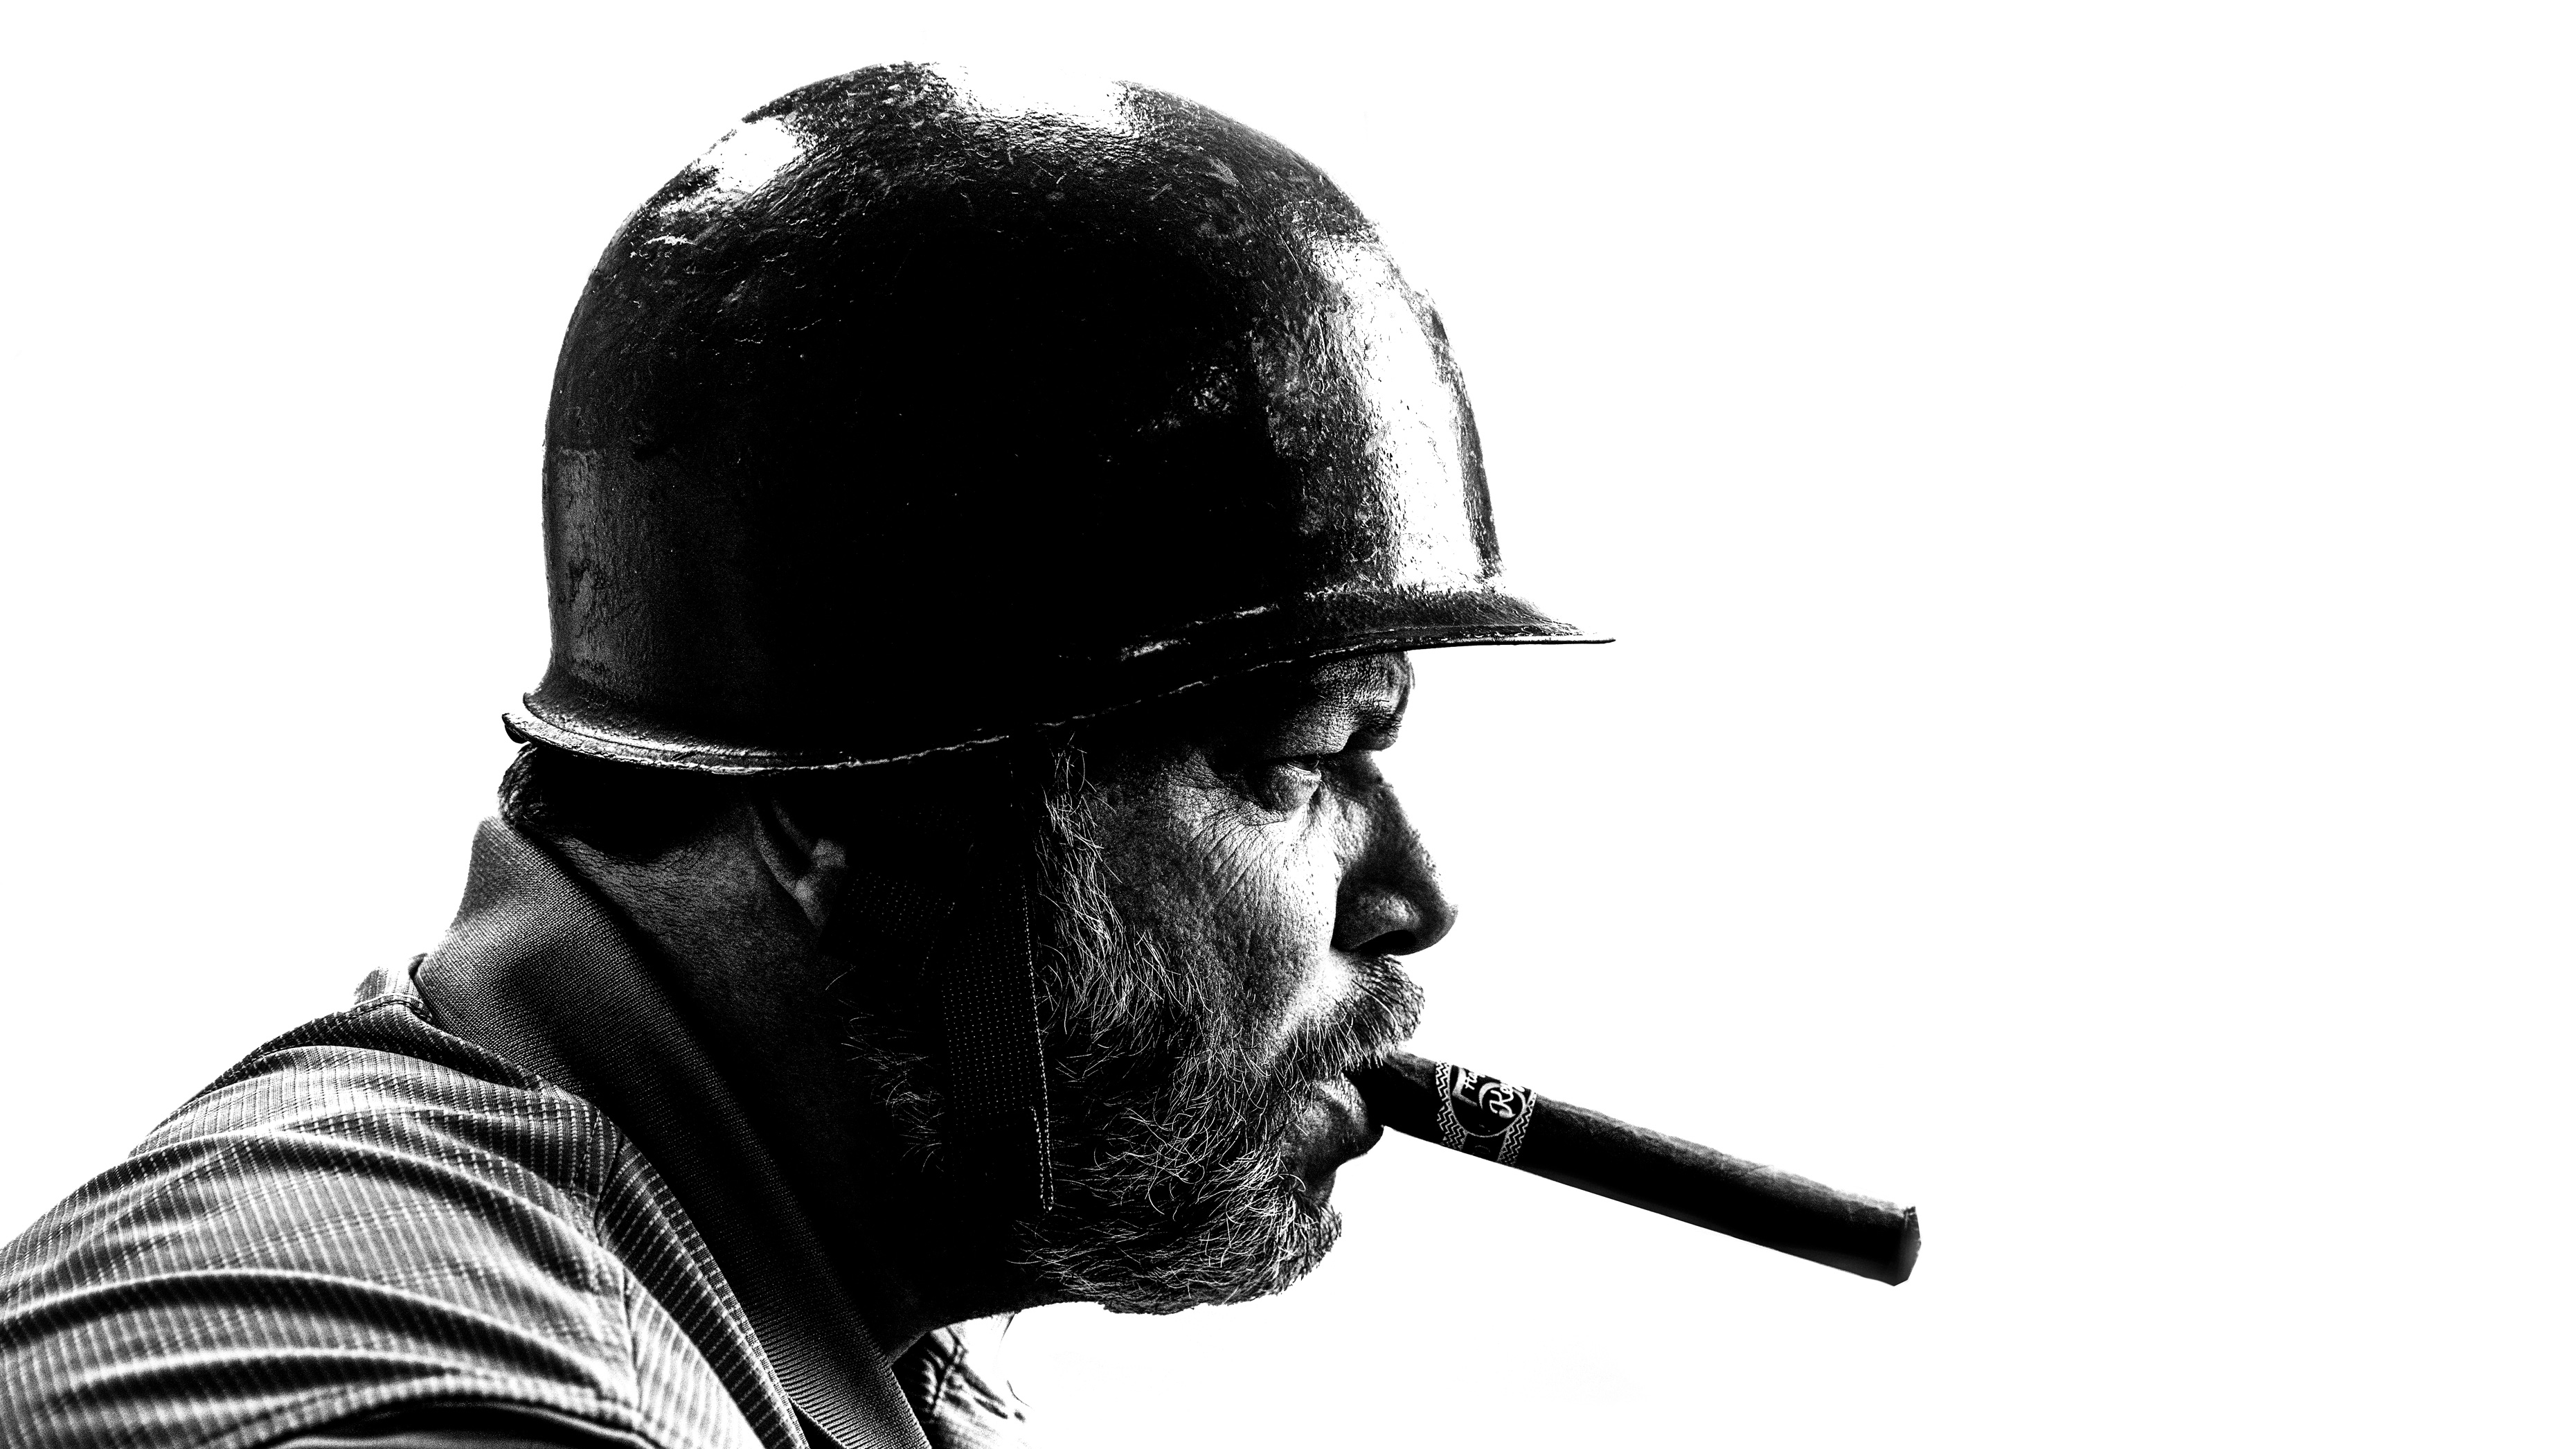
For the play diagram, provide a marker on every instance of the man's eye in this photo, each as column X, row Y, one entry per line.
column 1285, row 784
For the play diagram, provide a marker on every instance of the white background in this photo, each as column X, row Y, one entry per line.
column 2083, row 492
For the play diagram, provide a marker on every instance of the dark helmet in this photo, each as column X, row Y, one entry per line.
column 916, row 415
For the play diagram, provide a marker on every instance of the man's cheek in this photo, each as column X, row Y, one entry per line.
column 1301, row 978
column 1289, row 878
column 1252, row 897
column 1260, row 871
column 1172, row 867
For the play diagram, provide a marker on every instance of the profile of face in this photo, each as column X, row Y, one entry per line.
column 1232, row 880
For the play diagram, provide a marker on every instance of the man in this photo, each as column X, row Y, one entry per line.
column 948, row 869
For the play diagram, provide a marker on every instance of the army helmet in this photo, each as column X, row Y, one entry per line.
column 922, row 412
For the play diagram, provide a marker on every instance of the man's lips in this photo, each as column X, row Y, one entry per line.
column 1348, row 1129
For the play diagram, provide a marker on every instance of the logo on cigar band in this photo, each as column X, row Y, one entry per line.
column 1482, row 1116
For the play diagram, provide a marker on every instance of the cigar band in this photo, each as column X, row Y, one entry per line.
column 1483, row 1117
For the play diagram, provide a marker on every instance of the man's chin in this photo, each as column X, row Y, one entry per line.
column 1259, row 1243
column 1296, row 1252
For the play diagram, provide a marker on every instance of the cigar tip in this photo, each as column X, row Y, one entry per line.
column 1909, row 1243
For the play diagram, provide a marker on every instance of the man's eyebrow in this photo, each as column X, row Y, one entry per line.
column 1361, row 719
column 1362, row 708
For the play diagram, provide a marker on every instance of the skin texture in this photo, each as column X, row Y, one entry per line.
column 1237, row 881
column 1266, row 839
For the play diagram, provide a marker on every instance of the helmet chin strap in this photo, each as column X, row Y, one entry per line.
column 995, row 1120
column 969, row 918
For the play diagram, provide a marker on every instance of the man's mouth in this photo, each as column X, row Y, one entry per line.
column 1347, row 1129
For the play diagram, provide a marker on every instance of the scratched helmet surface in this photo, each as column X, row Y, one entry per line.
column 918, row 413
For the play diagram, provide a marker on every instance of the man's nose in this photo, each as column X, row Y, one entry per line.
column 1391, row 901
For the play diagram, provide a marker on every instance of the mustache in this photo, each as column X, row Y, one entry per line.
column 1362, row 1031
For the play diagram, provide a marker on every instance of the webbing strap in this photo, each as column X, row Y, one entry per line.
column 986, row 967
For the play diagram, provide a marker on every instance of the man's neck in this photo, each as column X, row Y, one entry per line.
column 743, row 965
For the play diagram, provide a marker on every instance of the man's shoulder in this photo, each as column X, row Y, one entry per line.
column 376, row 1095
column 365, row 1213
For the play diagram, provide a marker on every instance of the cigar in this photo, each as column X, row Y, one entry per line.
column 1517, row 1127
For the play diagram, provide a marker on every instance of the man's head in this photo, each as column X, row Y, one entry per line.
column 1046, row 482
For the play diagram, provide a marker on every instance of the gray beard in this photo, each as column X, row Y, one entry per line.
column 1173, row 1175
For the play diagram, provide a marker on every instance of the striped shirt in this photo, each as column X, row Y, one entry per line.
column 372, row 1215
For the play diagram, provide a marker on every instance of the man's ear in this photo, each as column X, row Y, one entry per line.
column 813, row 869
